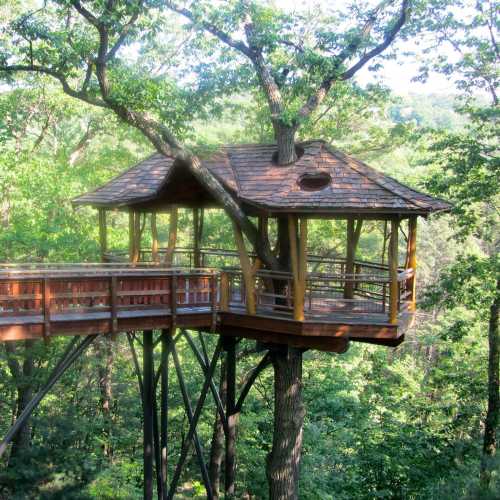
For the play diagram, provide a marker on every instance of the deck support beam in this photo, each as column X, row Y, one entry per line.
column 393, row 272
column 297, row 229
column 353, row 233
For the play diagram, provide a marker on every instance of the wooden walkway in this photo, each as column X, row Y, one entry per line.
column 42, row 302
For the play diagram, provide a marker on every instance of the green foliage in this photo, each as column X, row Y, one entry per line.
column 392, row 424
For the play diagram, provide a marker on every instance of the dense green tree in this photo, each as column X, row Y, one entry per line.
column 467, row 171
column 395, row 425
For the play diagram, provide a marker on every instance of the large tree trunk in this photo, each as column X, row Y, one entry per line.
column 284, row 459
column 285, row 140
column 491, row 423
column 23, row 380
column 218, row 444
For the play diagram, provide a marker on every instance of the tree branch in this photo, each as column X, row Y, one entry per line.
column 388, row 39
column 125, row 31
column 91, row 18
column 316, row 99
column 211, row 28
column 82, row 95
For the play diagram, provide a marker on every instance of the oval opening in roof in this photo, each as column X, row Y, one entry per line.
column 299, row 152
column 314, row 181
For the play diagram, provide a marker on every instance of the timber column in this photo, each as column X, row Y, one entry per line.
column 393, row 272
column 412, row 260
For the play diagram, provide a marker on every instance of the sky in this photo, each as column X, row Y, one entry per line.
column 397, row 75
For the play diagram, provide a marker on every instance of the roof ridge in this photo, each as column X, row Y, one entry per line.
column 372, row 175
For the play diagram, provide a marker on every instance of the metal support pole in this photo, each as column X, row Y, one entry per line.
column 230, row 463
column 193, row 422
column 156, row 440
column 165, row 341
column 148, row 412
column 203, row 362
column 69, row 356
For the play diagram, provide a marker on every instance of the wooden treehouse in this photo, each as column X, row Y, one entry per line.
column 308, row 301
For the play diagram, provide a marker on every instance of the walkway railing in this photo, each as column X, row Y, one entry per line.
column 42, row 293
column 325, row 294
column 66, row 293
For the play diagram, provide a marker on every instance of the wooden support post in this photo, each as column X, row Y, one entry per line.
column 148, row 395
column 303, row 259
column 103, row 237
column 230, row 462
column 393, row 272
column 134, row 242
column 412, row 260
column 384, row 243
column 297, row 229
column 353, row 233
column 154, row 239
column 246, row 269
column 131, row 237
column 172, row 237
column 196, row 238
column 224, row 291
column 137, row 238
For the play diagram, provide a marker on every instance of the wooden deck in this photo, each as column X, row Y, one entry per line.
column 42, row 302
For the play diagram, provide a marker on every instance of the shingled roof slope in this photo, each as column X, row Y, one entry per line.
column 248, row 171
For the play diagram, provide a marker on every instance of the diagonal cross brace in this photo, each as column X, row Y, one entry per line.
column 70, row 355
column 194, row 423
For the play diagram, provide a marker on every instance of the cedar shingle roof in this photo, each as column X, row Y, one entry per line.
column 250, row 174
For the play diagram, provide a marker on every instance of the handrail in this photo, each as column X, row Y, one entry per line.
column 222, row 252
column 222, row 289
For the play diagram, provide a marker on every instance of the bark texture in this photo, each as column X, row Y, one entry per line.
column 491, row 423
column 284, row 460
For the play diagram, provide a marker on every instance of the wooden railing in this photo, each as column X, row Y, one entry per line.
column 96, row 291
column 108, row 291
column 219, row 258
column 324, row 294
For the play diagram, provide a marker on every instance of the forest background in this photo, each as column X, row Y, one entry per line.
column 380, row 423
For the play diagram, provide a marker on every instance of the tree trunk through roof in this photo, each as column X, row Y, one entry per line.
column 285, row 140
column 284, row 459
